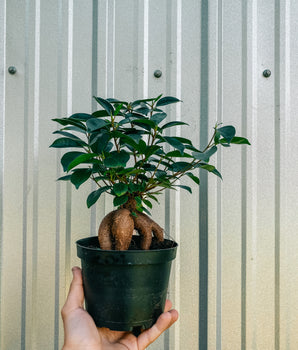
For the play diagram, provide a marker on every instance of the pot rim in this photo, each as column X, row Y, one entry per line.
column 135, row 251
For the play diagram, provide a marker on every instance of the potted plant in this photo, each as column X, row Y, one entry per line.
column 125, row 148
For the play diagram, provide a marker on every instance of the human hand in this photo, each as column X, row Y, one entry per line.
column 81, row 333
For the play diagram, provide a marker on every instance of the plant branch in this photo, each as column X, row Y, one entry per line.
column 114, row 129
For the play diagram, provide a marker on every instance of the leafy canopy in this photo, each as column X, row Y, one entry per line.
column 125, row 148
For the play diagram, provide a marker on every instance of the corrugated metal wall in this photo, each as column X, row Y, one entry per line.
column 235, row 278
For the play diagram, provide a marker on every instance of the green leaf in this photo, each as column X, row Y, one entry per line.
column 64, row 178
column 240, row 140
column 67, row 134
column 125, row 139
column 65, row 142
column 175, row 143
column 130, row 171
column 216, row 137
column 118, row 109
column 170, row 124
column 152, row 150
column 69, row 121
column 191, row 148
column 145, row 210
column 187, row 188
column 138, row 201
column 109, row 147
column 158, row 117
column 105, row 104
column 79, row 176
column 115, row 101
column 125, row 121
column 133, row 188
column 228, row 132
column 68, row 157
column 120, row 200
column 143, row 177
column 95, row 124
column 83, row 158
column 205, row 156
column 116, row 159
column 180, row 166
column 158, row 97
column 164, row 163
column 81, row 116
column 160, row 174
column 147, row 166
column 166, row 101
column 152, row 197
column 142, row 147
column 207, row 167
column 183, row 140
column 100, row 114
column 99, row 141
column 144, row 110
column 137, row 136
column 144, row 123
column 194, row 178
column 217, row 173
column 166, row 184
column 98, row 168
column 75, row 128
column 120, row 189
column 148, row 203
column 93, row 196
column 138, row 102
column 178, row 154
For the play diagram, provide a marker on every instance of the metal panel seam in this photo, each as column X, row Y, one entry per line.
column 219, row 187
column 203, row 195
column 25, row 178
column 243, row 176
column 94, row 83
column 178, row 193
column 36, row 97
column 69, row 112
column 277, row 173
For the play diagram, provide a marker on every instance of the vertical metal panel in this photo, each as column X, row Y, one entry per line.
column 235, row 277
column 288, row 173
column 12, row 291
column 2, row 133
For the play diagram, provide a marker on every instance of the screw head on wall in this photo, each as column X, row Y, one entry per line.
column 267, row 73
column 157, row 73
column 12, row 70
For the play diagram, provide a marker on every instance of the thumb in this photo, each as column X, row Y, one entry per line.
column 75, row 298
column 164, row 321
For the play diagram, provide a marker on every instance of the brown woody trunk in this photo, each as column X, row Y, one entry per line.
column 116, row 229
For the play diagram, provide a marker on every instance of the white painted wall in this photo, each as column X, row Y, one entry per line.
column 235, row 277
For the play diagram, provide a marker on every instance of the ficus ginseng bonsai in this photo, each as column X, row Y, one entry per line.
column 125, row 148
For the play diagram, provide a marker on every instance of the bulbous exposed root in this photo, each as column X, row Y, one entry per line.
column 146, row 226
column 118, row 227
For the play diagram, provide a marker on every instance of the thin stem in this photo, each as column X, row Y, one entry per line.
column 114, row 129
column 211, row 140
column 93, row 178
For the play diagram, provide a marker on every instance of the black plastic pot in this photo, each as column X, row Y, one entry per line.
column 125, row 290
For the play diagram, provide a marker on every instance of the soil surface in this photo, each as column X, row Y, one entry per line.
column 135, row 244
